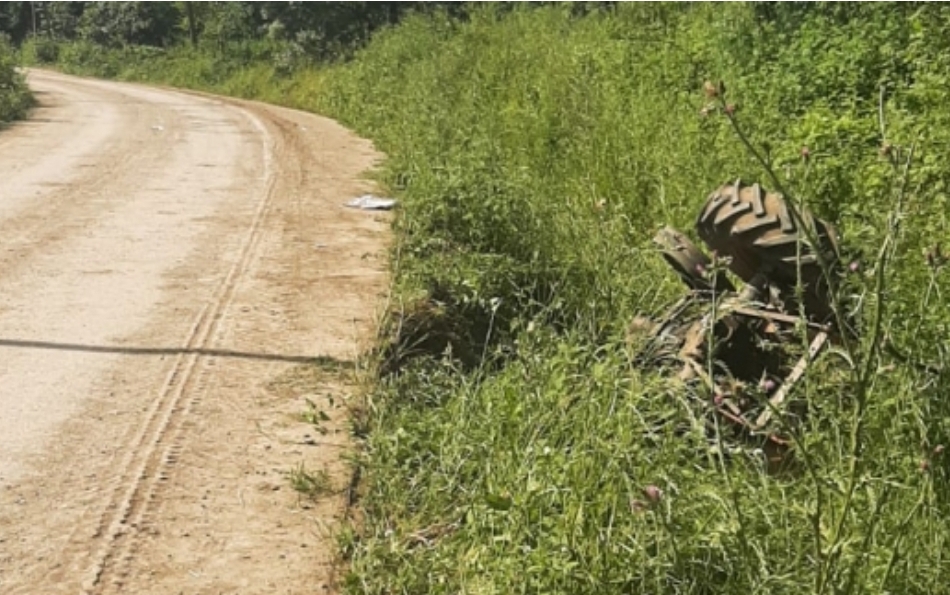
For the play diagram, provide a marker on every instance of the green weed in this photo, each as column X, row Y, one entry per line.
column 311, row 484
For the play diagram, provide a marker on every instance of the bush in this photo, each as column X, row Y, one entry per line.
column 41, row 50
column 15, row 97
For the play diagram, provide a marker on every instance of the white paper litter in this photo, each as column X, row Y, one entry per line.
column 368, row 202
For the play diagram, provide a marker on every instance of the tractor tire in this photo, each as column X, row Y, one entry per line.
column 757, row 231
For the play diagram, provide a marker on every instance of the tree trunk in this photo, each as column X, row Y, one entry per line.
column 192, row 28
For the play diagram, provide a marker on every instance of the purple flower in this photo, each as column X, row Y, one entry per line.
column 653, row 493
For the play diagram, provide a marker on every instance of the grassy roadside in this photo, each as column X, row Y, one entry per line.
column 535, row 152
column 15, row 97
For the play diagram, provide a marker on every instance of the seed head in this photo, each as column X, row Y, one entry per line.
column 710, row 90
column 730, row 109
column 938, row 450
column 935, row 257
column 924, row 465
column 854, row 267
column 653, row 494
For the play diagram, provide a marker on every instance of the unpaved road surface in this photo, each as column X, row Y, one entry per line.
column 169, row 264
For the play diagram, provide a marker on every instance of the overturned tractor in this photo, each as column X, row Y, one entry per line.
column 748, row 345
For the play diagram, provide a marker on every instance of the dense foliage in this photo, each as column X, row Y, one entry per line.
column 535, row 150
column 15, row 98
column 312, row 30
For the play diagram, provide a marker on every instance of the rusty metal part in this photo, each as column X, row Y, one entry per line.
column 797, row 372
column 778, row 317
column 691, row 263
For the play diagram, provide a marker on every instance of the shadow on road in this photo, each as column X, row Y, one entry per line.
column 322, row 360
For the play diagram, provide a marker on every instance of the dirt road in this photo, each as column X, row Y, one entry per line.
column 168, row 265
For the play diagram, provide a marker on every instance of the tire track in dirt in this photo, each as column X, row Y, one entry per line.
column 157, row 443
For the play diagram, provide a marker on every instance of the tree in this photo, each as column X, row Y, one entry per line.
column 116, row 24
column 16, row 20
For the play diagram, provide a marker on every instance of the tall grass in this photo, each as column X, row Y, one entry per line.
column 535, row 152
